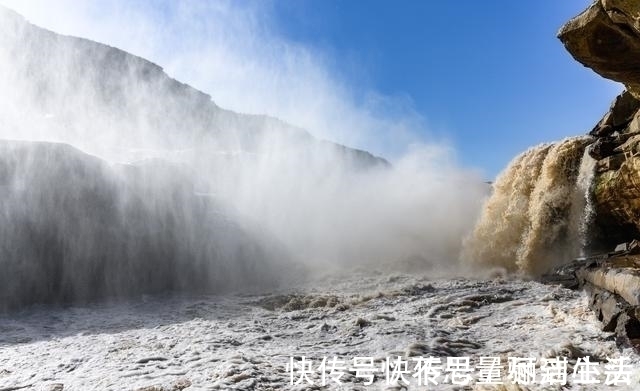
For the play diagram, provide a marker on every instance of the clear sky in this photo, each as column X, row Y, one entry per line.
column 491, row 75
column 488, row 78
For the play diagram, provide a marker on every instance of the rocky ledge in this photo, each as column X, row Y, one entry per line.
column 616, row 189
column 606, row 38
column 612, row 282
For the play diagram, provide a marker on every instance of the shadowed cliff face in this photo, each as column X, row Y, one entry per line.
column 119, row 106
column 76, row 228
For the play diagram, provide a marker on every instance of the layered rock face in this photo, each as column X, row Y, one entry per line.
column 606, row 38
column 551, row 202
column 616, row 190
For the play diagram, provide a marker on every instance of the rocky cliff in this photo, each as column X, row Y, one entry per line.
column 580, row 197
column 125, row 181
column 606, row 38
column 117, row 105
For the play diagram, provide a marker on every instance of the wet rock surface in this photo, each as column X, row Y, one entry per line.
column 612, row 283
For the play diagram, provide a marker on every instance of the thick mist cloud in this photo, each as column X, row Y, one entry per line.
column 289, row 195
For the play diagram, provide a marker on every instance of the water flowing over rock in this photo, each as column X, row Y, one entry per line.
column 530, row 224
column 616, row 190
column 582, row 214
column 498, row 235
column 606, row 38
column 582, row 195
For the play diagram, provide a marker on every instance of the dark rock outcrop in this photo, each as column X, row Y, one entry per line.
column 622, row 111
column 611, row 281
column 605, row 37
column 613, row 288
column 616, row 188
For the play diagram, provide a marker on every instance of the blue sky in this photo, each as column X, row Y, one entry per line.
column 488, row 78
column 489, row 75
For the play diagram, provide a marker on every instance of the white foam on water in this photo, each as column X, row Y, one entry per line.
column 244, row 342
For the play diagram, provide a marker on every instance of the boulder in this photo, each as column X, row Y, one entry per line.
column 628, row 331
column 616, row 194
column 606, row 305
column 609, row 163
column 602, row 148
column 621, row 112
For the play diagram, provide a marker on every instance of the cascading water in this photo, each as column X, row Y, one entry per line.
column 498, row 233
column 582, row 210
column 537, row 215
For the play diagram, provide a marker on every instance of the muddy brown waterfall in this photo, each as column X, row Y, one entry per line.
column 534, row 219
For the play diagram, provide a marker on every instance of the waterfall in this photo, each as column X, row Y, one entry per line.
column 528, row 223
column 582, row 210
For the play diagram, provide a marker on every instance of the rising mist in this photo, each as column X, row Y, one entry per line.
column 120, row 180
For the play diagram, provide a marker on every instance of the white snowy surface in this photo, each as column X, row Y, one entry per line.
column 244, row 342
